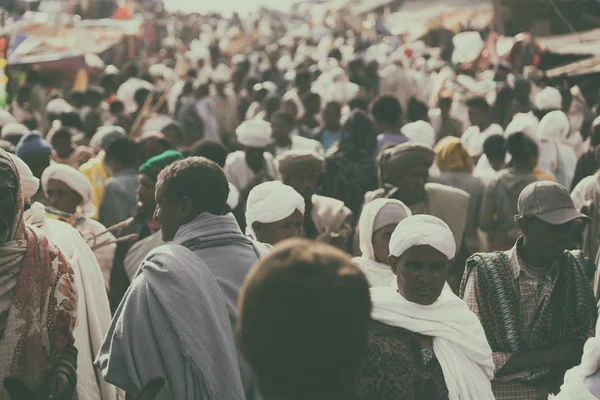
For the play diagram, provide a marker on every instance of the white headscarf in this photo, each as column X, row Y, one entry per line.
column 74, row 180
column 420, row 132
column 548, row 99
column 420, row 230
column 459, row 341
column 254, row 133
column 523, row 122
column 555, row 126
column 271, row 202
column 14, row 129
column 29, row 183
column 58, row 106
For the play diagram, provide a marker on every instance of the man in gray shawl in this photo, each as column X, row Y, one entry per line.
column 177, row 319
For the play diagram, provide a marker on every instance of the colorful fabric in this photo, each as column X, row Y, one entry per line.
column 96, row 172
column 43, row 309
column 452, row 155
column 568, row 311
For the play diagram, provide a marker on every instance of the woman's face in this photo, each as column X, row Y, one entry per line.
column 421, row 274
column 381, row 243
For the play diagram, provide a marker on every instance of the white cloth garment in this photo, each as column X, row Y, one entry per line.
column 576, row 384
column 548, row 99
column 556, row 156
column 239, row 173
column 300, row 143
column 271, row 202
column 473, row 139
column 378, row 274
column 14, row 129
column 75, row 180
column 420, row 132
column 29, row 183
column 459, row 341
column 423, row 230
column 254, row 133
column 523, row 122
column 58, row 106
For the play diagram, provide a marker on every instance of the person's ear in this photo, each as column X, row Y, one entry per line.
column 451, row 264
column 522, row 224
column 186, row 207
column 393, row 261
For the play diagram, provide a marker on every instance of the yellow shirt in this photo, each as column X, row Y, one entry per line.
column 96, row 172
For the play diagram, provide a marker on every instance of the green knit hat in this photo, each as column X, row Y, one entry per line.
column 153, row 166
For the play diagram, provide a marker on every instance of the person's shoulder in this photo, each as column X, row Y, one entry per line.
column 585, row 182
column 495, row 129
column 235, row 157
column 438, row 188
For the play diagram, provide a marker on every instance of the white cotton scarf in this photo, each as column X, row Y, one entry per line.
column 378, row 274
column 459, row 340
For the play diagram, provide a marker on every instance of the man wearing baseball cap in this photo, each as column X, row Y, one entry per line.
column 535, row 301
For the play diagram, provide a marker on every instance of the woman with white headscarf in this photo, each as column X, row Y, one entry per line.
column 555, row 156
column 377, row 222
column 69, row 191
column 424, row 343
column 274, row 212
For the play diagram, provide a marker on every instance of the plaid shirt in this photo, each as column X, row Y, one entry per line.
column 531, row 291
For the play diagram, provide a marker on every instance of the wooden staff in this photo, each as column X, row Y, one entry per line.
column 113, row 228
column 137, row 131
column 138, row 120
column 133, row 236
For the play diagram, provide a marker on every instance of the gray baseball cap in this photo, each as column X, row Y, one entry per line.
column 549, row 202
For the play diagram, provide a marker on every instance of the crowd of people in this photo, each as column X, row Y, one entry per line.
column 285, row 225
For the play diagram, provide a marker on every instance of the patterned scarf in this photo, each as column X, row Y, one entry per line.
column 43, row 310
column 569, row 312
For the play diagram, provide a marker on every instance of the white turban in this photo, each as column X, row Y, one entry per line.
column 29, row 183
column 254, row 133
column 548, row 99
column 13, row 129
column 554, row 126
column 271, row 202
column 75, row 180
column 523, row 122
column 371, row 212
column 420, row 132
column 58, row 106
column 423, row 230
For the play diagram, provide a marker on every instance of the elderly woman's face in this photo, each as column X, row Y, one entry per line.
column 421, row 274
column 8, row 201
column 410, row 182
column 62, row 197
column 381, row 242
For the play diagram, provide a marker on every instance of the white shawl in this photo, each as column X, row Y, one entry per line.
column 459, row 340
column 378, row 274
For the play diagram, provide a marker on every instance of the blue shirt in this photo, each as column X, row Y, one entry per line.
column 328, row 138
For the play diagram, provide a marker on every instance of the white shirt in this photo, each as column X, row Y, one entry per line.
column 239, row 173
column 473, row 139
column 300, row 143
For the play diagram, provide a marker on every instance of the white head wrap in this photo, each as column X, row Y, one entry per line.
column 548, row 99
column 13, row 129
column 74, row 180
column 221, row 74
column 366, row 224
column 423, row 230
column 29, row 183
column 554, row 126
column 271, row 202
column 420, row 132
column 254, row 133
column 523, row 122
column 58, row 106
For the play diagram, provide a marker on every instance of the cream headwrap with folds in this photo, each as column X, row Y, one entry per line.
column 375, row 215
column 401, row 157
column 420, row 132
column 294, row 160
column 423, row 230
column 254, row 133
column 74, row 180
column 271, row 202
column 29, row 183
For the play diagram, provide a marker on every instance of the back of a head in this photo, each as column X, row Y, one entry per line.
column 359, row 133
column 199, row 179
column 479, row 103
column 122, row 151
column 61, row 136
column 210, row 149
column 417, row 110
column 360, row 102
column 521, row 147
column 303, row 320
column 494, row 148
column 387, row 110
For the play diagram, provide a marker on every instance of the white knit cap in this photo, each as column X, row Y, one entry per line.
column 548, row 99
column 29, row 183
column 271, row 202
column 254, row 133
column 74, row 180
column 13, row 129
column 420, row 132
column 423, row 230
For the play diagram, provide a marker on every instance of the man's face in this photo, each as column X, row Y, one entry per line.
column 304, row 181
column 168, row 213
column 478, row 117
column 62, row 147
column 410, row 183
column 8, row 202
column 549, row 241
column 281, row 128
column 145, row 194
column 276, row 232
column 62, row 197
